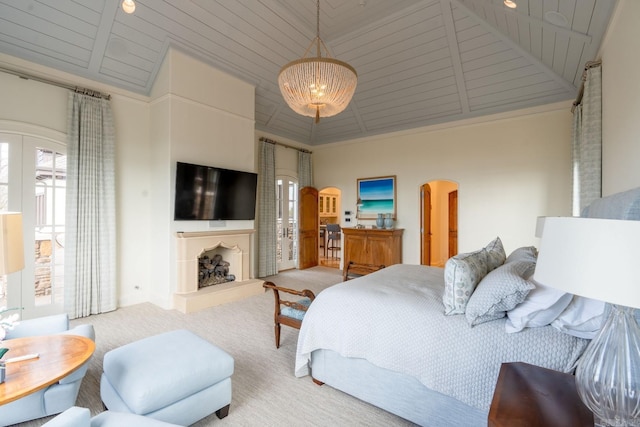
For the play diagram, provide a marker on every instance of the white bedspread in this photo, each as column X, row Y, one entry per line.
column 394, row 318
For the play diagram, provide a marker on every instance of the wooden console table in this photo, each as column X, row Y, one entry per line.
column 372, row 246
column 59, row 355
column 531, row 396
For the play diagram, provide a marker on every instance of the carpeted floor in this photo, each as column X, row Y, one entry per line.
column 265, row 390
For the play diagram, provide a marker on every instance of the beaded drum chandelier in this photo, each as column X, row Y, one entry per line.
column 317, row 86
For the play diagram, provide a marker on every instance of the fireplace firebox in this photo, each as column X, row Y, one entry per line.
column 213, row 270
column 231, row 250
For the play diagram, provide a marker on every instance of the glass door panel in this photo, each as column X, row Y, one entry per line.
column 292, row 228
column 287, row 223
column 50, row 190
column 10, row 201
column 33, row 181
column 4, row 207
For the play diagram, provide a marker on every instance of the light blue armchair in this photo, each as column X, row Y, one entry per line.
column 80, row 417
column 57, row 397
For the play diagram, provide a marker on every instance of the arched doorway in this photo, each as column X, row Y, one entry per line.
column 439, row 222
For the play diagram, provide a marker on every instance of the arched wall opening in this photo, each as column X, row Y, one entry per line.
column 439, row 222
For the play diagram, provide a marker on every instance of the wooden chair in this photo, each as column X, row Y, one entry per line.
column 289, row 313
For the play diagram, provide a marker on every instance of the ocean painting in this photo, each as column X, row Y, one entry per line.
column 377, row 195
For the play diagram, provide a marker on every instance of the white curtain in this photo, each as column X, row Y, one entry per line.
column 587, row 142
column 305, row 170
column 267, row 232
column 90, row 252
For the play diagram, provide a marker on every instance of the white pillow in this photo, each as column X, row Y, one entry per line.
column 500, row 291
column 582, row 318
column 525, row 253
column 541, row 307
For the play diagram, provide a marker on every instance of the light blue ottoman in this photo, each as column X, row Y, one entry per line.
column 80, row 417
column 176, row 377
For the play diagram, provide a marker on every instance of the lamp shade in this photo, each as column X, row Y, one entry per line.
column 11, row 247
column 591, row 257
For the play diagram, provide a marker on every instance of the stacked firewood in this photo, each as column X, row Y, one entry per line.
column 213, row 271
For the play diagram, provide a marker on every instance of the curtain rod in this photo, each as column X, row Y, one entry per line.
column 271, row 141
column 587, row 66
column 84, row 91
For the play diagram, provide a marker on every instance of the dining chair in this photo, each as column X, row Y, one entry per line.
column 333, row 239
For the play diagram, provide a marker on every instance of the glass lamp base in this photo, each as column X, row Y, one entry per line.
column 620, row 423
column 608, row 373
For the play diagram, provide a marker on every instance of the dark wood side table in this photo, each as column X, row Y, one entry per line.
column 528, row 396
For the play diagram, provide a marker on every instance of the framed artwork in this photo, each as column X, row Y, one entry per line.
column 377, row 196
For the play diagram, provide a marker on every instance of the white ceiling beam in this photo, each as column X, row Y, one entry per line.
column 102, row 36
column 449, row 25
column 516, row 47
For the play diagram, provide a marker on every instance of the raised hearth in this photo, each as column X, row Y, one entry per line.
column 235, row 246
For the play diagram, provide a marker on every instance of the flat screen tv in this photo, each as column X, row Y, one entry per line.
column 211, row 193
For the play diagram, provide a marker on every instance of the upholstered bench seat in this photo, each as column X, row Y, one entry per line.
column 176, row 377
column 295, row 313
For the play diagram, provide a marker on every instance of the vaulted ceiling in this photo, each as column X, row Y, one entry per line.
column 419, row 62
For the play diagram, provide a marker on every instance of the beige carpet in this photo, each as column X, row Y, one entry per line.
column 265, row 390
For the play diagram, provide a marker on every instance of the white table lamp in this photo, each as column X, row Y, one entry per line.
column 600, row 259
column 11, row 247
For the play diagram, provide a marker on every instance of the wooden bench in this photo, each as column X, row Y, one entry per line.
column 355, row 269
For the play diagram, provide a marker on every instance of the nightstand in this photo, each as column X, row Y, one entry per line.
column 528, row 396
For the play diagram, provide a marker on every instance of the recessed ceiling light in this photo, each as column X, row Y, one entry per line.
column 510, row 3
column 129, row 6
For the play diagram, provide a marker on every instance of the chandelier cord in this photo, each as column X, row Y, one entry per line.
column 317, row 118
column 318, row 27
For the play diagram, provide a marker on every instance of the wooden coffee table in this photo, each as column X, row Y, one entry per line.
column 59, row 355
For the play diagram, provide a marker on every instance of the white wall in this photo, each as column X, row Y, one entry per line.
column 197, row 114
column 509, row 171
column 41, row 109
column 204, row 117
column 133, row 188
column 621, row 100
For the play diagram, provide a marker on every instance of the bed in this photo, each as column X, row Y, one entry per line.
column 385, row 339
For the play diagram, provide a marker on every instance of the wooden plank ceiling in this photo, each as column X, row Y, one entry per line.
column 419, row 62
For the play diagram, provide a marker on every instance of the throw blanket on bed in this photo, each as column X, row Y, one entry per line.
column 394, row 318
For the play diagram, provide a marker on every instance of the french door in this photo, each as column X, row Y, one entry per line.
column 33, row 181
column 287, row 222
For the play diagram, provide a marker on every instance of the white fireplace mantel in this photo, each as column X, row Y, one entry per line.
column 236, row 244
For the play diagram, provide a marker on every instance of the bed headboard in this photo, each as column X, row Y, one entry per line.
column 624, row 205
